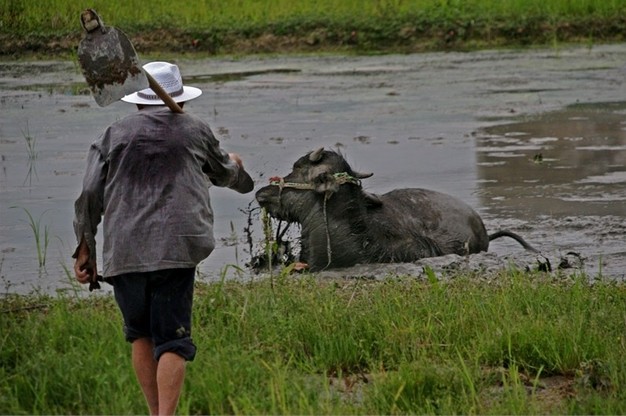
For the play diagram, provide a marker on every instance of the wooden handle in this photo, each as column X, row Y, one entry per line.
column 173, row 105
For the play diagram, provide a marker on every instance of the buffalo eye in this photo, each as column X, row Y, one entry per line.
column 302, row 162
column 325, row 182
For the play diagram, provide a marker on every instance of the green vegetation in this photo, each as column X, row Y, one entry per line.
column 42, row 236
column 518, row 343
column 32, row 154
column 244, row 26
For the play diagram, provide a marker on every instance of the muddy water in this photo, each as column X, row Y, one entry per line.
column 563, row 174
column 533, row 139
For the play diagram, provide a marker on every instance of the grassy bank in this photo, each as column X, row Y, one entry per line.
column 518, row 344
column 248, row 26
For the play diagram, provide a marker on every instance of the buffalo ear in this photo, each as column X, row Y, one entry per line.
column 325, row 182
column 372, row 200
column 316, row 155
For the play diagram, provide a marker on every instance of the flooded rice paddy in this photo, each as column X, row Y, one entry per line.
column 534, row 140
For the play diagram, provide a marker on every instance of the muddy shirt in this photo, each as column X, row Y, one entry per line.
column 149, row 176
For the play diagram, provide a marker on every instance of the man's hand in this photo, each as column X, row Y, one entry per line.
column 85, row 270
column 245, row 183
column 236, row 158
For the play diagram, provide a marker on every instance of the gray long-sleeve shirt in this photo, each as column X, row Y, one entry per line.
column 148, row 176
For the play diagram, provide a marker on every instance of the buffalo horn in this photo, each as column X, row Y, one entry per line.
column 362, row 175
column 316, row 155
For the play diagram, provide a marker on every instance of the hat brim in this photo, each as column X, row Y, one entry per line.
column 189, row 93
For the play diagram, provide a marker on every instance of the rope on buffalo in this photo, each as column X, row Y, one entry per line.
column 339, row 177
column 280, row 182
column 329, row 250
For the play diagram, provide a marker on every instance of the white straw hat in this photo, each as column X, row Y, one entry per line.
column 168, row 77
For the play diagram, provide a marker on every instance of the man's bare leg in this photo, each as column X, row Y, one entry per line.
column 146, row 370
column 170, row 377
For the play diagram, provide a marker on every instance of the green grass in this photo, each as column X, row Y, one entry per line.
column 226, row 26
column 41, row 235
column 36, row 15
column 302, row 346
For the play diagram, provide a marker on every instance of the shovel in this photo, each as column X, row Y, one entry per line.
column 110, row 64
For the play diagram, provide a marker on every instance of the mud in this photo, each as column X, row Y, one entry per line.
column 534, row 140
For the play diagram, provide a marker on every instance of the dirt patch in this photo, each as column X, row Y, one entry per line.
column 549, row 394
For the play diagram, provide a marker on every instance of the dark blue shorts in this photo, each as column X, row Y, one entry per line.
column 157, row 305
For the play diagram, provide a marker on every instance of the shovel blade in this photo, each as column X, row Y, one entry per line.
column 110, row 65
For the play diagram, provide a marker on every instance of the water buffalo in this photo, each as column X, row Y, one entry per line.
column 343, row 225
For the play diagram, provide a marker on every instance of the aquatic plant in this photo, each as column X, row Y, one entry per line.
column 42, row 236
column 30, row 143
column 32, row 154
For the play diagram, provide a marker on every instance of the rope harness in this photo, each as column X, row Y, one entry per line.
column 340, row 178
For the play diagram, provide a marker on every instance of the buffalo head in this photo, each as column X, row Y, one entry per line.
column 314, row 177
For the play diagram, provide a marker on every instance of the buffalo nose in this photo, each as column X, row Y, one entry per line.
column 263, row 195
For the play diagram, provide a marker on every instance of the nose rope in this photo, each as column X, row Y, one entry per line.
column 340, row 179
column 280, row 182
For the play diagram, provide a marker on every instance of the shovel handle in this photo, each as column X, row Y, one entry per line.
column 169, row 101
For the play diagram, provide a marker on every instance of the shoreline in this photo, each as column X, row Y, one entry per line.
column 456, row 37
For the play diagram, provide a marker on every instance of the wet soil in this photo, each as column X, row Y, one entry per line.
column 534, row 140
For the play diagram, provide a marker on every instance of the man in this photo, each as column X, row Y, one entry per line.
column 148, row 177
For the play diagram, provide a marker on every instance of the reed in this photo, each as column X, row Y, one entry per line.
column 31, row 143
column 31, row 153
column 41, row 235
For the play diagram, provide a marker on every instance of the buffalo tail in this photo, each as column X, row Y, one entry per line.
column 511, row 234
